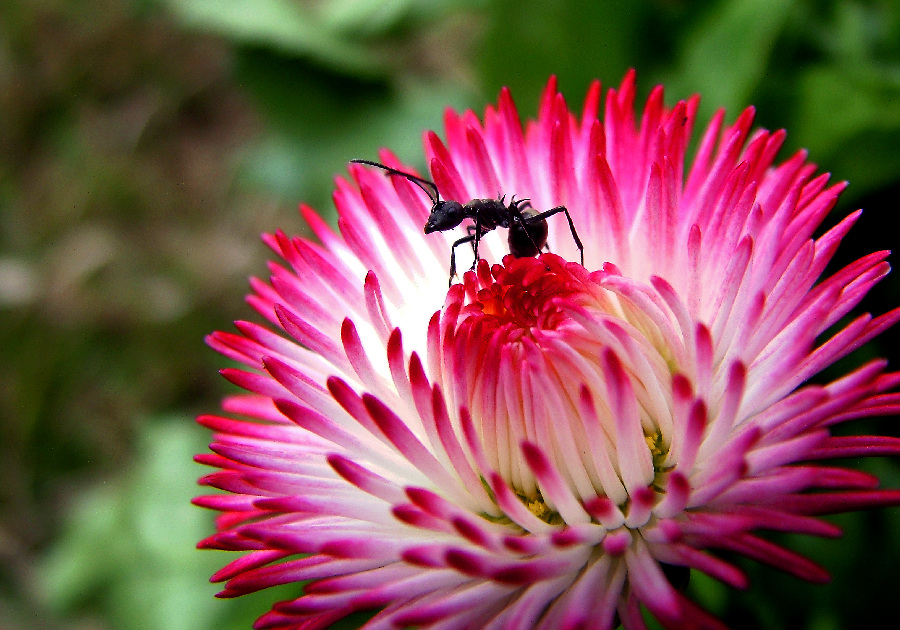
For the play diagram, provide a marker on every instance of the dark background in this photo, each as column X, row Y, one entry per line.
column 144, row 145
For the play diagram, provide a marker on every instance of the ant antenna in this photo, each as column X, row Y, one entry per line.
column 418, row 181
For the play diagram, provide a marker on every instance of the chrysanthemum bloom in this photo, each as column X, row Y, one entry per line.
column 549, row 445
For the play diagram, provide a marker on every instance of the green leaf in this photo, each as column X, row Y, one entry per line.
column 845, row 117
column 724, row 56
column 290, row 27
column 362, row 17
column 526, row 41
column 128, row 546
column 318, row 122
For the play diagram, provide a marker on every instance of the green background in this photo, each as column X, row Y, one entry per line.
column 144, row 145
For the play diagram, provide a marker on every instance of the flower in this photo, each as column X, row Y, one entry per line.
column 547, row 444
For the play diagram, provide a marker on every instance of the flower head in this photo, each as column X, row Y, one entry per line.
column 547, row 444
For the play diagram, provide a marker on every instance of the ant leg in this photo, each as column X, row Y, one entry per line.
column 465, row 239
column 477, row 236
column 557, row 210
column 470, row 230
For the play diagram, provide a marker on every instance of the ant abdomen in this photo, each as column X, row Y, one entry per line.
column 528, row 239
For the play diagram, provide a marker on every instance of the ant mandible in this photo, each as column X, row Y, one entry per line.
column 527, row 227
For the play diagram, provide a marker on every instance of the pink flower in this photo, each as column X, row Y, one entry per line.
column 549, row 445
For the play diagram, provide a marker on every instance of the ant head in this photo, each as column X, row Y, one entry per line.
column 445, row 215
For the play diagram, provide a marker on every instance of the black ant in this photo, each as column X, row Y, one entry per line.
column 527, row 227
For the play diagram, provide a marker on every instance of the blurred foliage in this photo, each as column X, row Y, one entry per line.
column 144, row 144
column 127, row 551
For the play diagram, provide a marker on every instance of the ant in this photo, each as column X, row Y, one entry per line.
column 527, row 227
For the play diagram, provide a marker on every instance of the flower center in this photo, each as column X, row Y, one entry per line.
column 540, row 352
column 522, row 296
